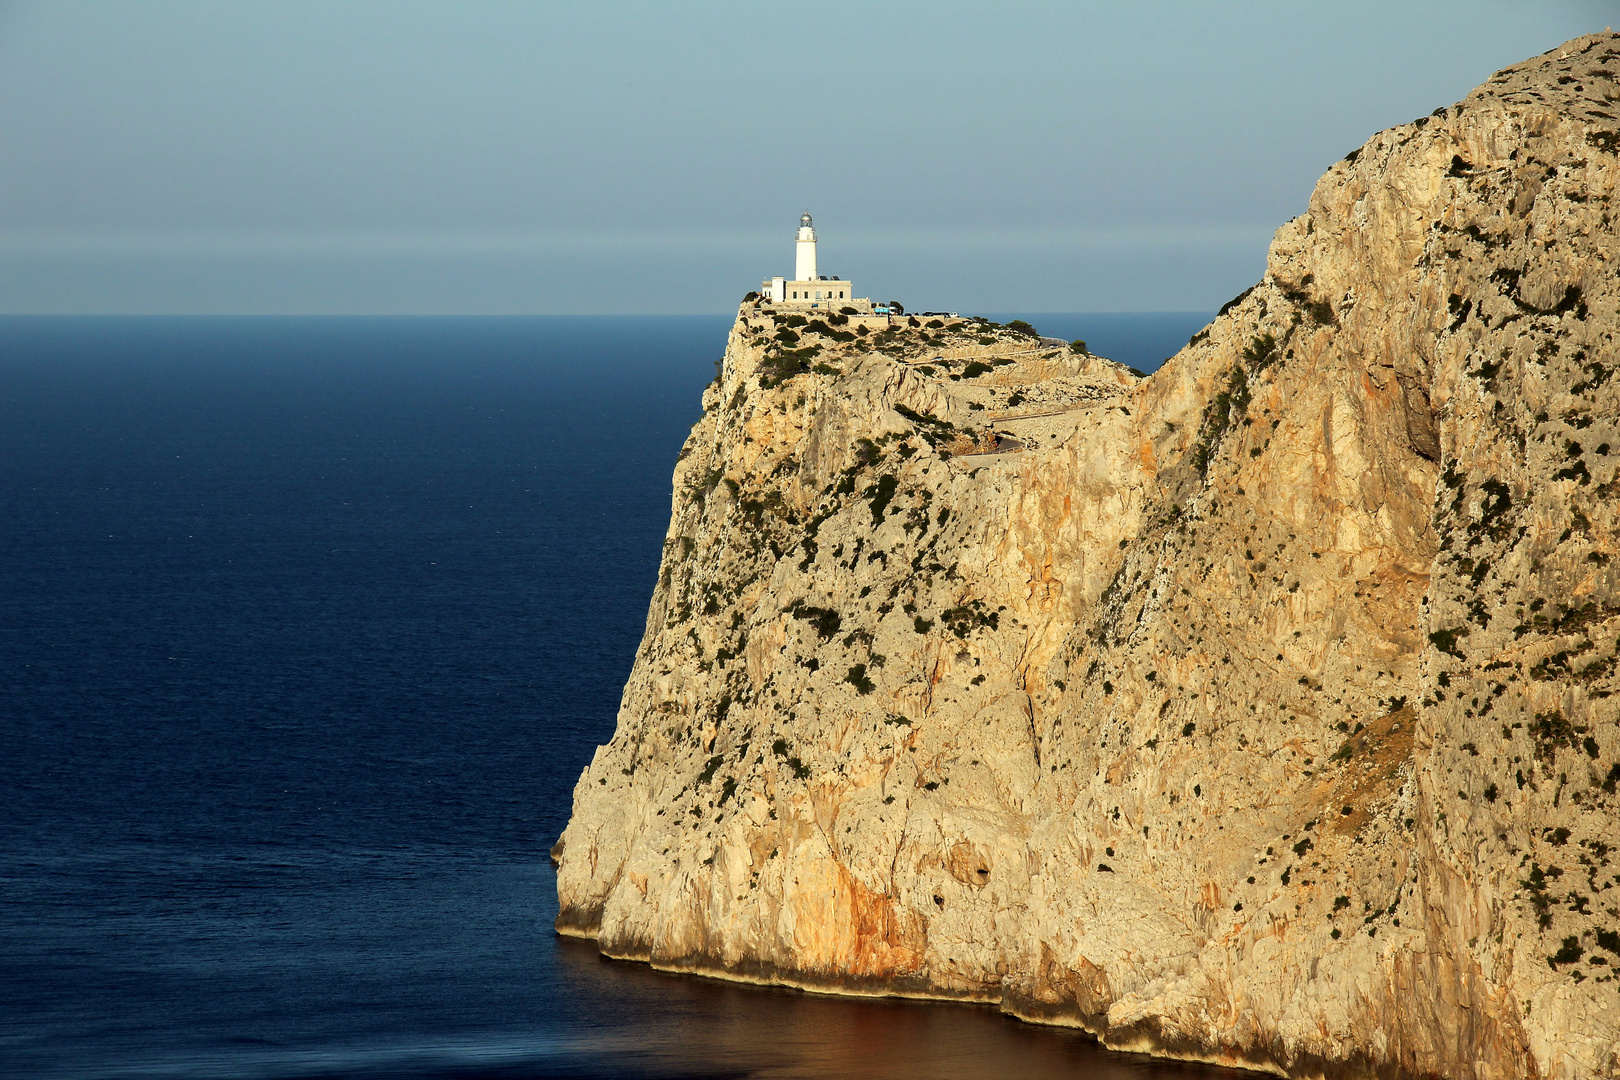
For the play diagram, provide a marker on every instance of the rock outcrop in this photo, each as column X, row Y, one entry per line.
column 1259, row 711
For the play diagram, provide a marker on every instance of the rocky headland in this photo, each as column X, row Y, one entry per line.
column 1260, row 711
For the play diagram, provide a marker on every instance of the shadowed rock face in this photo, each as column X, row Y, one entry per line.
column 1259, row 711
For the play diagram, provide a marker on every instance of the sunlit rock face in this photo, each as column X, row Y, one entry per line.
column 1261, row 711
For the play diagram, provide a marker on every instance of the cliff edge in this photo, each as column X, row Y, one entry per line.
column 1260, row 711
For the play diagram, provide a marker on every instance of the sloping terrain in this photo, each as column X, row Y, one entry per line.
column 1259, row 711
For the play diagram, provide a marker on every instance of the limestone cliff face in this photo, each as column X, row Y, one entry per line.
column 1262, row 710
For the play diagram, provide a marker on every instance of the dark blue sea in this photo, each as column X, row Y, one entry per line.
column 307, row 627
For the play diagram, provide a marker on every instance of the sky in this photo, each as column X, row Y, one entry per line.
column 400, row 157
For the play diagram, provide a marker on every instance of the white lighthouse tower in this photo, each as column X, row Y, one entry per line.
column 809, row 287
column 804, row 261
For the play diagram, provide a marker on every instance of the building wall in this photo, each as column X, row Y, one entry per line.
column 783, row 291
column 804, row 259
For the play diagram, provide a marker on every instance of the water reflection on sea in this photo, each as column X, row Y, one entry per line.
column 717, row 1029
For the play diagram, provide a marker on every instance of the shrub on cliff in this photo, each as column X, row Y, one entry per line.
column 1261, row 352
column 1233, row 400
column 1446, row 640
column 1319, row 310
column 779, row 367
column 708, row 770
column 879, row 494
column 930, row 427
column 825, row 620
column 965, row 618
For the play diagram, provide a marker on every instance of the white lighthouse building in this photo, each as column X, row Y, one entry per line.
column 804, row 250
column 807, row 287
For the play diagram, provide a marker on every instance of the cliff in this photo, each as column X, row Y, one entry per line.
column 1258, row 711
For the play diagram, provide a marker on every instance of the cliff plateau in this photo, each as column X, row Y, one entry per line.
column 1260, row 711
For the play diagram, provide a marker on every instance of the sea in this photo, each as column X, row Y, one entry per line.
column 307, row 628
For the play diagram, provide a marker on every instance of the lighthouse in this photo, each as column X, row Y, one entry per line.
column 809, row 287
column 804, row 260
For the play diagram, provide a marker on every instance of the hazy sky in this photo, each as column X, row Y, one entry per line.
column 397, row 157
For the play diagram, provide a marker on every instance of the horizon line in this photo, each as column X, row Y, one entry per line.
column 514, row 315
